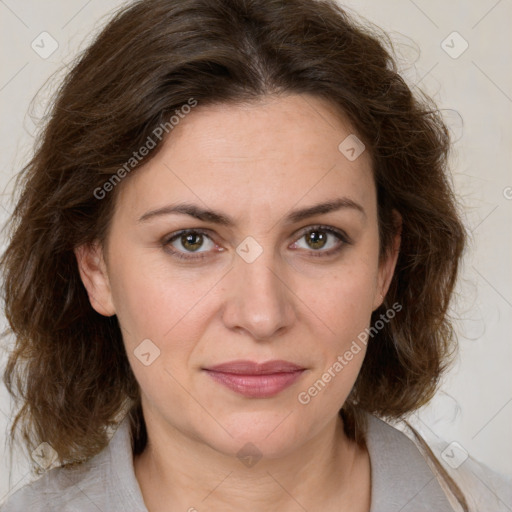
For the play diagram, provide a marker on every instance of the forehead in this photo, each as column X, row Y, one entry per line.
column 288, row 127
column 263, row 157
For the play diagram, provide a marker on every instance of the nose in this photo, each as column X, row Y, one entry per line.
column 260, row 301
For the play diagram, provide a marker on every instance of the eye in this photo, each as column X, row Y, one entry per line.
column 187, row 244
column 323, row 240
column 190, row 241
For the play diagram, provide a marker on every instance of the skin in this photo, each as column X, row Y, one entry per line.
column 254, row 163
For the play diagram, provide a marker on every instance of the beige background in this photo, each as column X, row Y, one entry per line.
column 474, row 407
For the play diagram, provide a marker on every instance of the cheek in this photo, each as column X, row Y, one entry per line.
column 149, row 301
column 343, row 299
column 342, row 307
column 343, row 312
column 159, row 328
column 164, row 305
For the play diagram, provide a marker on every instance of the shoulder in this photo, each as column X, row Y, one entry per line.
column 402, row 480
column 59, row 490
column 398, row 452
column 483, row 487
column 105, row 483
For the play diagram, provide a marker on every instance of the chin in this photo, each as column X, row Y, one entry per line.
column 270, row 435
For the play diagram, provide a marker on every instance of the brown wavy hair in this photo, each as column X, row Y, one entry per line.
column 68, row 367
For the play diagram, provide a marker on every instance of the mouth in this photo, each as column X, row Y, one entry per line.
column 256, row 380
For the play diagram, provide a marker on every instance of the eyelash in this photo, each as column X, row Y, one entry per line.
column 340, row 235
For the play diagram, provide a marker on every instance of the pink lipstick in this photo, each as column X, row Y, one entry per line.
column 256, row 380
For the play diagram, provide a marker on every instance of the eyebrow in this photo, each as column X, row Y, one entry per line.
column 223, row 219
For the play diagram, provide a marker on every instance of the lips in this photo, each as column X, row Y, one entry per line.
column 253, row 368
column 256, row 380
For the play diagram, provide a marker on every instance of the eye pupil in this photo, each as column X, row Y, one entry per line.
column 317, row 237
column 185, row 239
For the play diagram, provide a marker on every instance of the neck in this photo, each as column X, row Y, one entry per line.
column 178, row 472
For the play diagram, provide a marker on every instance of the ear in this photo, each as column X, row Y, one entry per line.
column 93, row 271
column 388, row 264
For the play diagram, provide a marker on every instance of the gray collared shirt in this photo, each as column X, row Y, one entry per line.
column 401, row 480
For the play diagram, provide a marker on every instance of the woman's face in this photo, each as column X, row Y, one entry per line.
column 267, row 284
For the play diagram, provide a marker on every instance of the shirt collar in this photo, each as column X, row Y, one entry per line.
column 401, row 480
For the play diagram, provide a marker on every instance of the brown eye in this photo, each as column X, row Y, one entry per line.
column 191, row 241
column 316, row 239
column 185, row 243
column 323, row 241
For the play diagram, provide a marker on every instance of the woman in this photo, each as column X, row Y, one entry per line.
column 234, row 250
